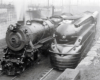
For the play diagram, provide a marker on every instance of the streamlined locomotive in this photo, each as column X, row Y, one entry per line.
column 72, row 40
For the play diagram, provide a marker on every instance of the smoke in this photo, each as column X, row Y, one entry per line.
column 20, row 8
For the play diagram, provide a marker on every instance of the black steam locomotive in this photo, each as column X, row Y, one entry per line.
column 26, row 42
column 72, row 39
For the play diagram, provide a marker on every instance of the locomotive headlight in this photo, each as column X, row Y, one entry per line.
column 44, row 23
column 18, row 58
column 28, row 22
column 11, row 27
column 63, row 36
column 62, row 55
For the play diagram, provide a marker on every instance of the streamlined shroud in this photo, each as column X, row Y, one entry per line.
column 73, row 39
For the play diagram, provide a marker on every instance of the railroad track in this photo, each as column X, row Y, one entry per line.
column 46, row 74
column 5, row 77
column 14, row 78
column 51, row 74
column 42, row 71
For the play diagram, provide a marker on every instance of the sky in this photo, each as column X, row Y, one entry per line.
column 19, row 3
column 58, row 2
column 41, row 2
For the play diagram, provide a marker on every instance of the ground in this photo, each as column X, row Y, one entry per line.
column 91, row 72
column 90, row 69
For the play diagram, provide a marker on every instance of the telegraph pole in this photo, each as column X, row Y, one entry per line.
column 48, row 3
column 1, row 2
column 69, row 5
column 62, row 5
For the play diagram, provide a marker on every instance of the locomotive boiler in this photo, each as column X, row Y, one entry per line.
column 26, row 42
column 72, row 40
